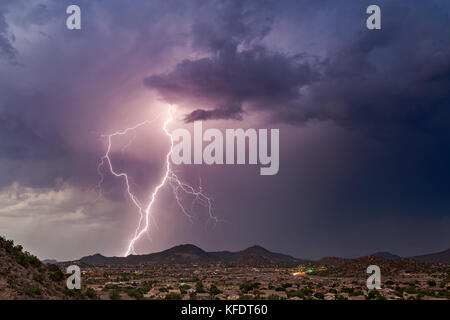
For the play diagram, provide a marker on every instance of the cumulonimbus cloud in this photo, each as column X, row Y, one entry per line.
column 373, row 81
column 7, row 50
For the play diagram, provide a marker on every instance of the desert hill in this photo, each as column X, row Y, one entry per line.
column 23, row 276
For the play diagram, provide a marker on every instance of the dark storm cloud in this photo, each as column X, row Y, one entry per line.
column 40, row 14
column 21, row 142
column 229, row 79
column 372, row 81
column 56, row 104
column 239, row 70
column 395, row 77
column 7, row 50
column 389, row 87
column 305, row 63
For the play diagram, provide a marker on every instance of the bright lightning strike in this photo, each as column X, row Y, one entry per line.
column 169, row 178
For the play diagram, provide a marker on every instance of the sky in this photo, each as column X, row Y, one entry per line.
column 363, row 117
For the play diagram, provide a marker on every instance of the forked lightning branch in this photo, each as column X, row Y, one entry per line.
column 180, row 153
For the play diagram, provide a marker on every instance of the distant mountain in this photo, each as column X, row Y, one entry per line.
column 49, row 261
column 260, row 251
column 255, row 255
column 386, row 255
column 99, row 259
column 254, row 260
column 443, row 257
column 190, row 254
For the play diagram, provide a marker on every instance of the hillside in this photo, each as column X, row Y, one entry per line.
column 23, row 276
column 386, row 255
column 443, row 257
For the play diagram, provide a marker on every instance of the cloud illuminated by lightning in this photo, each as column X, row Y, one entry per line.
column 169, row 178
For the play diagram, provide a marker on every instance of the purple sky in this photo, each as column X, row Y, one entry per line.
column 363, row 116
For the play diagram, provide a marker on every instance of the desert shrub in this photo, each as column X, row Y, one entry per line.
column 52, row 267
column 214, row 290
column 34, row 261
column 297, row 293
column 444, row 293
column 39, row 277
column 319, row 295
column 32, row 289
column 21, row 259
column 411, row 290
column 57, row 275
column 173, row 296
column 114, row 294
column 348, row 290
column 306, row 291
column 356, row 293
column 375, row 295
column 77, row 294
column 199, row 287
column 91, row 294
column 146, row 287
column 135, row 294
column 247, row 286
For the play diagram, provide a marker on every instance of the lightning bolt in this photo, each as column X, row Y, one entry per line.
column 169, row 178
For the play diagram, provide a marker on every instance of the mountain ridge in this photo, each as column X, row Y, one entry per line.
column 441, row 256
column 189, row 253
column 256, row 254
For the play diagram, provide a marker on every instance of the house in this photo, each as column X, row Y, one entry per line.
column 203, row 296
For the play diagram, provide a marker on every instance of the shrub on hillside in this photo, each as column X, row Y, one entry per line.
column 32, row 290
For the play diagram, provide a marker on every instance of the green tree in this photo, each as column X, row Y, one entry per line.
column 114, row 294
column 247, row 286
column 173, row 296
column 39, row 277
column 214, row 290
column 32, row 289
column 319, row 295
column 199, row 287
column 91, row 294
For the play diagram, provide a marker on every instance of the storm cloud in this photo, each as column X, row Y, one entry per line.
column 7, row 50
column 363, row 116
column 373, row 81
